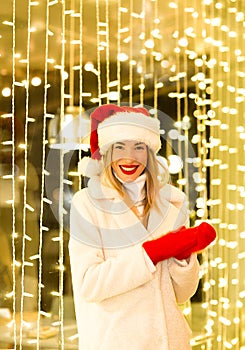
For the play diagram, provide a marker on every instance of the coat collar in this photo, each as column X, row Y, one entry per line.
column 168, row 192
column 170, row 214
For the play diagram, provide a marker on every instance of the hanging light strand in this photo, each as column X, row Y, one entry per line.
column 80, row 77
column 131, row 23
column 149, row 41
column 118, row 51
column 186, row 118
column 241, row 166
column 61, row 184
column 207, row 31
column 234, row 217
column 107, row 51
column 25, row 171
column 143, row 56
column 71, row 56
column 201, row 85
column 201, row 75
column 198, row 111
column 214, row 173
column 13, row 178
column 98, row 50
column 42, row 175
column 227, row 102
column 155, row 71
column 178, row 88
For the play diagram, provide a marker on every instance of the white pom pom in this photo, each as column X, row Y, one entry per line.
column 89, row 167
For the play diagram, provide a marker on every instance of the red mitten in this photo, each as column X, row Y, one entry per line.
column 180, row 244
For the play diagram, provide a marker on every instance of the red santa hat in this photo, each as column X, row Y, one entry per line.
column 111, row 123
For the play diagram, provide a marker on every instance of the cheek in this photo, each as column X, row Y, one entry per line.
column 116, row 155
column 142, row 159
column 115, row 158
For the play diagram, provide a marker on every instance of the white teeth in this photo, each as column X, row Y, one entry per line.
column 128, row 168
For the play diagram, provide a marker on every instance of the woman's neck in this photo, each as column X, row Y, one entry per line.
column 135, row 189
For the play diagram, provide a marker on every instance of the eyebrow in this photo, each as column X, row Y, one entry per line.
column 136, row 144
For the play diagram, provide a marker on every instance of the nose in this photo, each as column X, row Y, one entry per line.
column 129, row 154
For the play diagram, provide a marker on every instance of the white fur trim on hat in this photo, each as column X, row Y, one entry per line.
column 89, row 167
column 129, row 126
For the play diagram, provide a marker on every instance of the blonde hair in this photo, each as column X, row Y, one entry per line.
column 154, row 180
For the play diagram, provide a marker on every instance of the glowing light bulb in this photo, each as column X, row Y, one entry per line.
column 36, row 81
column 149, row 44
column 89, row 66
column 183, row 42
column 122, row 57
column 6, row 92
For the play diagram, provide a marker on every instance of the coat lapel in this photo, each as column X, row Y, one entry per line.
column 167, row 217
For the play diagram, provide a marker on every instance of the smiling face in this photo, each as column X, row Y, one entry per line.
column 129, row 159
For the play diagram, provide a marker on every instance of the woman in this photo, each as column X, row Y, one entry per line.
column 132, row 259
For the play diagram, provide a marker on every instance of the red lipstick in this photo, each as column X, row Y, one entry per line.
column 128, row 169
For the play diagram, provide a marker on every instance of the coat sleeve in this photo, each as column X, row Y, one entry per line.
column 185, row 278
column 95, row 278
column 184, row 274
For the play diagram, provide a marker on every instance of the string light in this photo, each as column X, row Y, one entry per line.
column 14, row 234
column 61, row 185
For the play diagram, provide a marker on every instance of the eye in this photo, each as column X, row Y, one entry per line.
column 140, row 148
column 118, row 147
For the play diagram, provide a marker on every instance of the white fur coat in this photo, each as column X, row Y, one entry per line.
column 122, row 301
